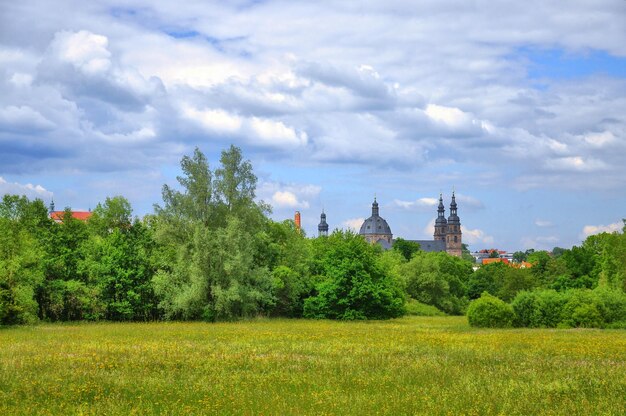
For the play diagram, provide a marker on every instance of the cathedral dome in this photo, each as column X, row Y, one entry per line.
column 375, row 224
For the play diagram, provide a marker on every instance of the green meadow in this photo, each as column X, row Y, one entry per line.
column 412, row 365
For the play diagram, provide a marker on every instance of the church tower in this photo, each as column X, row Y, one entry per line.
column 441, row 225
column 322, row 228
column 453, row 236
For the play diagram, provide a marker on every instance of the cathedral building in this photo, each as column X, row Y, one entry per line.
column 447, row 236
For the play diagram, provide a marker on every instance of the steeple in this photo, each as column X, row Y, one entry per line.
column 454, row 236
column 322, row 228
column 51, row 207
column 453, row 218
column 441, row 225
column 375, row 208
column 441, row 210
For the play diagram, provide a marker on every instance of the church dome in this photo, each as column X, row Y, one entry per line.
column 375, row 224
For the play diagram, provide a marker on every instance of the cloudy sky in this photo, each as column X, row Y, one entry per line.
column 519, row 106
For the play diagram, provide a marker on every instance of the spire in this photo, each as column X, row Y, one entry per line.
column 453, row 218
column 322, row 228
column 441, row 209
column 375, row 208
column 51, row 208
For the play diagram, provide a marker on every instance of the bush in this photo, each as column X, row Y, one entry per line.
column 587, row 316
column 584, row 308
column 490, row 312
column 549, row 306
column 578, row 310
column 524, row 306
column 612, row 304
column 416, row 308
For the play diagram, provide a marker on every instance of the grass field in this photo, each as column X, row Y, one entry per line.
column 416, row 365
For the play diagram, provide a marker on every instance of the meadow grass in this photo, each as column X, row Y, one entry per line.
column 413, row 365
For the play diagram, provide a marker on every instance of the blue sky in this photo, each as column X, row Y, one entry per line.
column 519, row 106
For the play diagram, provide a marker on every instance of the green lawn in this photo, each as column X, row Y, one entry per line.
column 414, row 365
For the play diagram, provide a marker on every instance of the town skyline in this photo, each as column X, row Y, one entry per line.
column 518, row 108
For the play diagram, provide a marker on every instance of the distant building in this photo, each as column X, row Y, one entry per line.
column 376, row 230
column 57, row 216
column 447, row 236
column 520, row 265
column 322, row 228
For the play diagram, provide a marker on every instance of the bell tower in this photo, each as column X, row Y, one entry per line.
column 441, row 225
column 453, row 235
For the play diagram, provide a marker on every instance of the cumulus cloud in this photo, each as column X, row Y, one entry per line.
column 286, row 199
column 30, row 190
column 254, row 130
column 101, row 88
column 597, row 229
column 288, row 195
column 353, row 224
column 476, row 236
column 85, row 50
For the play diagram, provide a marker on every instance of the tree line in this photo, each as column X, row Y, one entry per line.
column 209, row 251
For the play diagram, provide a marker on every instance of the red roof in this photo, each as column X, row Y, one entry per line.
column 79, row 215
column 495, row 260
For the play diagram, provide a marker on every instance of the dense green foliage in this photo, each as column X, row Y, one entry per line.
column 598, row 308
column 352, row 283
column 490, row 312
column 210, row 252
column 500, row 280
column 438, row 279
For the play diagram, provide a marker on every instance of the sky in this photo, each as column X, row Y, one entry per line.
column 520, row 107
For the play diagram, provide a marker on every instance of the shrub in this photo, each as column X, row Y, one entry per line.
column 490, row 312
column 525, row 307
column 587, row 316
column 577, row 310
column 598, row 308
column 612, row 304
column 548, row 309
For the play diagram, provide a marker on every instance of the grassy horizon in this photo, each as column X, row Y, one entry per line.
column 412, row 365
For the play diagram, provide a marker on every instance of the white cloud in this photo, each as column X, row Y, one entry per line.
column 286, row 199
column 256, row 130
column 599, row 139
column 597, row 229
column 543, row 223
column 30, row 190
column 291, row 195
column 215, row 120
column 276, row 133
column 576, row 163
column 420, row 202
column 476, row 236
column 353, row 224
column 451, row 116
column 85, row 50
